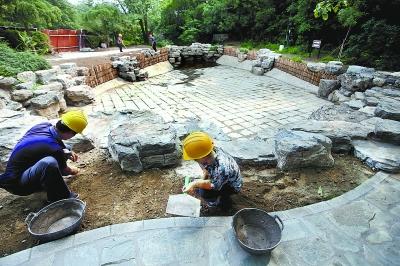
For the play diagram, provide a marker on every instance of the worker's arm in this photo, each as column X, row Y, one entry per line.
column 200, row 183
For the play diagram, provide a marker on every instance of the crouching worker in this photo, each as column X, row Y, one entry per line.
column 222, row 176
column 39, row 160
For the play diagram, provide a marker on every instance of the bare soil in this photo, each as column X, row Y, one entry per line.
column 113, row 196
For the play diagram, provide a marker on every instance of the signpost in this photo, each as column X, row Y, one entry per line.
column 317, row 45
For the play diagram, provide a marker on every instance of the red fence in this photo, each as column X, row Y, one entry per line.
column 64, row 40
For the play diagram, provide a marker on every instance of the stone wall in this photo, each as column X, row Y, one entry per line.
column 194, row 53
column 302, row 71
column 146, row 59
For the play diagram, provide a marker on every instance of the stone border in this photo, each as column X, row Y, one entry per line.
column 164, row 223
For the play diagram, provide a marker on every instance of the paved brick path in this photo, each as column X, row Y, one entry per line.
column 240, row 103
column 361, row 227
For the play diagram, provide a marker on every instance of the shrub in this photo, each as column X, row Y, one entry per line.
column 12, row 37
column 244, row 50
column 41, row 41
column 163, row 43
column 34, row 41
column 297, row 59
column 93, row 41
column 327, row 58
column 12, row 62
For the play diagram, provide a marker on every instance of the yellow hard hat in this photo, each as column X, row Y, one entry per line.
column 197, row 145
column 76, row 120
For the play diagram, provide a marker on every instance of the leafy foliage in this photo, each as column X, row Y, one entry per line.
column 12, row 62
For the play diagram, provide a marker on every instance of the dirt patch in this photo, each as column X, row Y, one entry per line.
column 113, row 196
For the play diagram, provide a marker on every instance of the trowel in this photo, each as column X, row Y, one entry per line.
column 183, row 204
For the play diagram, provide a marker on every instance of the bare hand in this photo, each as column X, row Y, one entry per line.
column 74, row 157
column 190, row 187
column 70, row 170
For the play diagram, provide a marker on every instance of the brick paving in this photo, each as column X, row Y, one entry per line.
column 240, row 103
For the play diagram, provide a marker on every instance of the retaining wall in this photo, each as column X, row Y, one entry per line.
column 299, row 70
column 105, row 72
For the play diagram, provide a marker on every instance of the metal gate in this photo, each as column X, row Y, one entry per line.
column 62, row 40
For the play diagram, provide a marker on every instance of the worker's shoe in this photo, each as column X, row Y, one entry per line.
column 73, row 195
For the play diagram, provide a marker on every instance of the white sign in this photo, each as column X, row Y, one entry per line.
column 316, row 44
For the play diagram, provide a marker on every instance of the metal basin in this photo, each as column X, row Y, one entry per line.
column 56, row 220
column 256, row 230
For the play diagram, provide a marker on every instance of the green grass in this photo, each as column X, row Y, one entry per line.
column 13, row 62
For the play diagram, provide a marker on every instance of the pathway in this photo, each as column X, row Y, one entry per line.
column 241, row 104
column 361, row 227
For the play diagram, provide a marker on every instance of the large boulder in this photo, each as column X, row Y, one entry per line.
column 25, row 86
column 82, row 71
column 7, row 83
column 47, row 105
column 45, row 76
column 339, row 113
column 378, row 155
column 316, row 67
column 80, row 143
column 79, row 95
column 355, row 104
column 143, row 141
column 27, row 76
column 388, row 109
column 258, row 71
column 65, row 79
column 21, row 95
column 339, row 132
column 13, row 125
column 334, row 67
column 357, row 78
column 338, row 97
column 69, row 69
column 327, row 86
column 251, row 152
column 388, row 130
column 296, row 149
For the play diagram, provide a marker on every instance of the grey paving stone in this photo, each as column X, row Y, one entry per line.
column 294, row 229
column 120, row 253
column 52, row 247
column 158, row 223
column 16, row 258
column 218, row 221
column 297, row 212
column 127, row 227
column 87, row 255
column 318, row 207
column 92, row 235
column 189, row 221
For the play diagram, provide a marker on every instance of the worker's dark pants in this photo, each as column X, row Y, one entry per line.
column 224, row 195
column 154, row 45
column 120, row 47
column 45, row 175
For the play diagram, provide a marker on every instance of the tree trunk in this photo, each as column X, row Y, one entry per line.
column 146, row 28
column 343, row 43
column 144, row 35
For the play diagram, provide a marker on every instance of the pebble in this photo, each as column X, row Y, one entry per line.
column 23, row 241
column 26, row 209
column 1, row 207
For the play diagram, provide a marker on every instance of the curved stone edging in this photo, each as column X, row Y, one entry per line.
column 293, row 218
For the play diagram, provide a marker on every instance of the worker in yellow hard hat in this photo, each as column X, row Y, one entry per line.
column 222, row 176
column 39, row 160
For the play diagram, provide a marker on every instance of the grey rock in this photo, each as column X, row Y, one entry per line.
column 339, row 113
column 354, row 70
column 186, row 126
column 334, row 67
column 327, row 86
column 80, row 80
column 82, row 71
column 371, row 101
column 388, row 109
column 141, row 141
column 44, row 76
column 377, row 155
column 339, row 132
column 346, row 92
column 256, row 63
column 316, row 67
column 8, row 83
column 379, row 82
column 250, row 152
column 355, row 104
column 267, row 64
column 79, row 95
column 45, row 100
column 388, row 131
column 27, row 76
column 128, row 76
column 65, row 80
column 296, row 149
column 358, row 96
column 370, row 110
column 13, row 125
column 337, row 97
column 25, row 86
column 68, row 66
column 53, row 86
column 21, row 95
column 259, row 71
column 172, row 60
column 80, row 143
column 241, row 57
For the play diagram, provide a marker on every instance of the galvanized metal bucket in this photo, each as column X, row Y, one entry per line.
column 256, row 231
column 59, row 219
